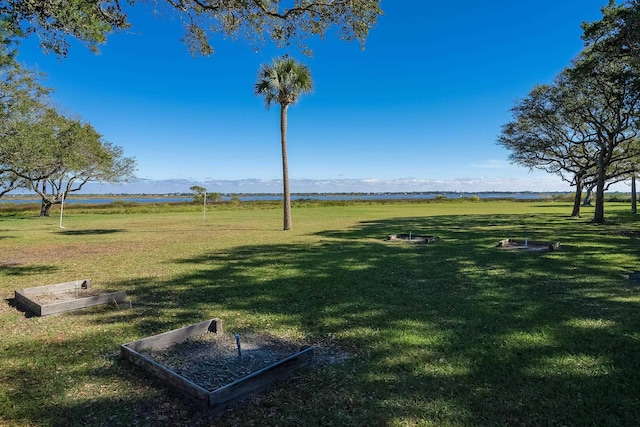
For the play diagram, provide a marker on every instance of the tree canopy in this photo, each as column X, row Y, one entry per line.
column 42, row 150
column 587, row 123
column 22, row 98
column 281, row 22
column 618, row 32
column 583, row 128
column 545, row 134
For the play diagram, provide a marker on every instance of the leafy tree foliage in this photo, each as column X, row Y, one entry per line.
column 281, row 22
column 73, row 154
column 198, row 193
column 43, row 150
column 21, row 98
column 544, row 134
column 284, row 82
column 616, row 36
column 579, row 128
column 54, row 155
column 604, row 92
column 618, row 32
column 587, row 123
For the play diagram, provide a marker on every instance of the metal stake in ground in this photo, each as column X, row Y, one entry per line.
column 239, row 348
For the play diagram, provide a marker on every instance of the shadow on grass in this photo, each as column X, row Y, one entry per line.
column 91, row 232
column 87, row 371
column 453, row 332
column 11, row 302
column 13, row 269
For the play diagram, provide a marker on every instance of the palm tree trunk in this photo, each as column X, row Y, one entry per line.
column 286, row 196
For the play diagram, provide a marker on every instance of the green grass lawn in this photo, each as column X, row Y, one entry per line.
column 454, row 333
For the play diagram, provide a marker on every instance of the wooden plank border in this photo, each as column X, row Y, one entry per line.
column 223, row 397
column 176, row 336
column 231, row 394
column 415, row 238
column 551, row 245
column 24, row 298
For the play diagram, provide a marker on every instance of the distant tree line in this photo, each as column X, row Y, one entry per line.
column 585, row 125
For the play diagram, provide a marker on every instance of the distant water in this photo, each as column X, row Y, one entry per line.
column 271, row 197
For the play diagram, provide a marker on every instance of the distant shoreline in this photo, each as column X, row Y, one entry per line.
column 105, row 199
column 411, row 197
column 32, row 196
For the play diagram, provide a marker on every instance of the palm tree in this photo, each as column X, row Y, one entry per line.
column 283, row 82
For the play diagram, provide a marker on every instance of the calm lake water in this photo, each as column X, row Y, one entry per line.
column 270, row 197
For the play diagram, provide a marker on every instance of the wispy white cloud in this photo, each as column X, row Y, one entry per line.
column 493, row 164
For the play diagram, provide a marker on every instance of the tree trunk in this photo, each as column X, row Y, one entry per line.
column 286, row 196
column 45, row 208
column 578, row 196
column 634, row 200
column 587, row 198
column 598, row 216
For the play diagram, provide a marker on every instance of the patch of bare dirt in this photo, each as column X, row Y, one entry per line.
column 55, row 253
column 56, row 297
column 515, row 246
column 10, row 263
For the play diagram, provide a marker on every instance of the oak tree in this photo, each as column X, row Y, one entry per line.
column 21, row 99
column 544, row 134
column 604, row 91
column 58, row 155
column 277, row 21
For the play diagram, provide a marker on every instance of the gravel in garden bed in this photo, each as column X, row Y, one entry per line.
column 212, row 361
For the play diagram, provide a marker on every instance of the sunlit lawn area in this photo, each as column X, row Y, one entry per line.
column 453, row 333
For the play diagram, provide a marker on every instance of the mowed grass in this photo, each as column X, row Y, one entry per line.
column 454, row 333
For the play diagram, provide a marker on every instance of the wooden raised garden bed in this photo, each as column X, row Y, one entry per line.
column 61, row 297
column 192, row 374
column 528, row 245
column 412, row 238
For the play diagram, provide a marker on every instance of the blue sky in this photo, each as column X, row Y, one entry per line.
column 419, row 109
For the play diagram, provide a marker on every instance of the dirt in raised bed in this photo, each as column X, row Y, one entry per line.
column 211, row 360
column 64, row 296
column 531, row 246
column 412, row 238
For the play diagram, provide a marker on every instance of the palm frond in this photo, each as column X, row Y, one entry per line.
column 284, row 81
